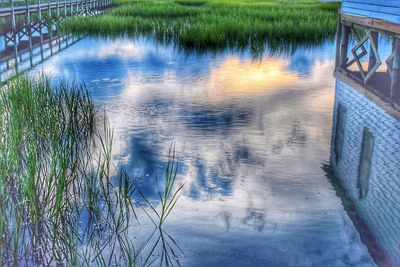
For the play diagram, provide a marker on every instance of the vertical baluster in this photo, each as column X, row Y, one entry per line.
column 40, row 29
column 13, row 21
column 344, row 44
column 16, row 56
column 14, row 34
column 39, row 12
column 395, row 83
column 58, row 9
column 372, row 58
column 338, row 39
column 48, row 9
column 29, row 32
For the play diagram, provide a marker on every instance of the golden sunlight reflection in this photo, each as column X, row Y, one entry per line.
column 233, row 77
column 251, row 138
column 238, row 76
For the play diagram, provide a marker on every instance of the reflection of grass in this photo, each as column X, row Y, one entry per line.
column 217, row 24
column 169, row 197
column 58, row 204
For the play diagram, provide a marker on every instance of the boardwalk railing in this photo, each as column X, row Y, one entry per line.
column 31, row 32
column 61, row 7
column 13, row 12
column 31, row 51
column 359, row 60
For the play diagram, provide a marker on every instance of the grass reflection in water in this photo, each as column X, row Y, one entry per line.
column 215, row 25
column 61, row 202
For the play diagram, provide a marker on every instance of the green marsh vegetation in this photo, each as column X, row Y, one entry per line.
column 61, row 202
column 204, row 25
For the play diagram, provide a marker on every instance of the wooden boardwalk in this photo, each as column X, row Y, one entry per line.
column 58, row 6
column 30, row 32
column 31, row 50
column 15, row 16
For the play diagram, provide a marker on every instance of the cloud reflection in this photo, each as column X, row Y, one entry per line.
column 250, row 136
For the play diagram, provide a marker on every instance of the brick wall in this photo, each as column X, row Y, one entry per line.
column 380, row 208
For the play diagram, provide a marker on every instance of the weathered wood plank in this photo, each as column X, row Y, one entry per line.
column 378, row 24
column 388, row 10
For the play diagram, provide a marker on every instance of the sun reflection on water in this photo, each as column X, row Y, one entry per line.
column 251, row 137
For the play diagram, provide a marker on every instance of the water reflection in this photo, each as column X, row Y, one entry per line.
column 251, row 136
column 371, row 181
column 34, row 44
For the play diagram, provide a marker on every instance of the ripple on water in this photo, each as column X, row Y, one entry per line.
column 251, row 138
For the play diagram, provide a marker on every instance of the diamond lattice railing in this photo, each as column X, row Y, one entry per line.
column 365, row 74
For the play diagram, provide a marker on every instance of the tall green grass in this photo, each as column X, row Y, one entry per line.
column 59, row 202
column 217, row 24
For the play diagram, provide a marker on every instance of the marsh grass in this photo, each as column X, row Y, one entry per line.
column 215, row 25
column 167, row 196
column 58, row 202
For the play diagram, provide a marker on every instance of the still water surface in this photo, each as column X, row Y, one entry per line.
column 252, row 137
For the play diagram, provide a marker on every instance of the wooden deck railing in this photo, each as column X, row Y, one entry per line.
column 27, row 29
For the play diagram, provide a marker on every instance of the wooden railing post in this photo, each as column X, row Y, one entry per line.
column 40, row 29
column 338, row 39
column 48, row 9
column 344, row 44
column 28, row 14
column 29, row 32
column 14, row 34
column 58, row 8
column 395, row 83
column 13, row 22
column 39, row 11
column 374, row 36
column 16, row 55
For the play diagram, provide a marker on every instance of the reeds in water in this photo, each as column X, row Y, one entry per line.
column 58, row 202
column 213, row 25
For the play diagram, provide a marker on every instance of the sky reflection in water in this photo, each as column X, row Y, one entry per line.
column 251, row 137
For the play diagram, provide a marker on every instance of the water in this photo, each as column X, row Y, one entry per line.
column 252, row 137
column 379, row 207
